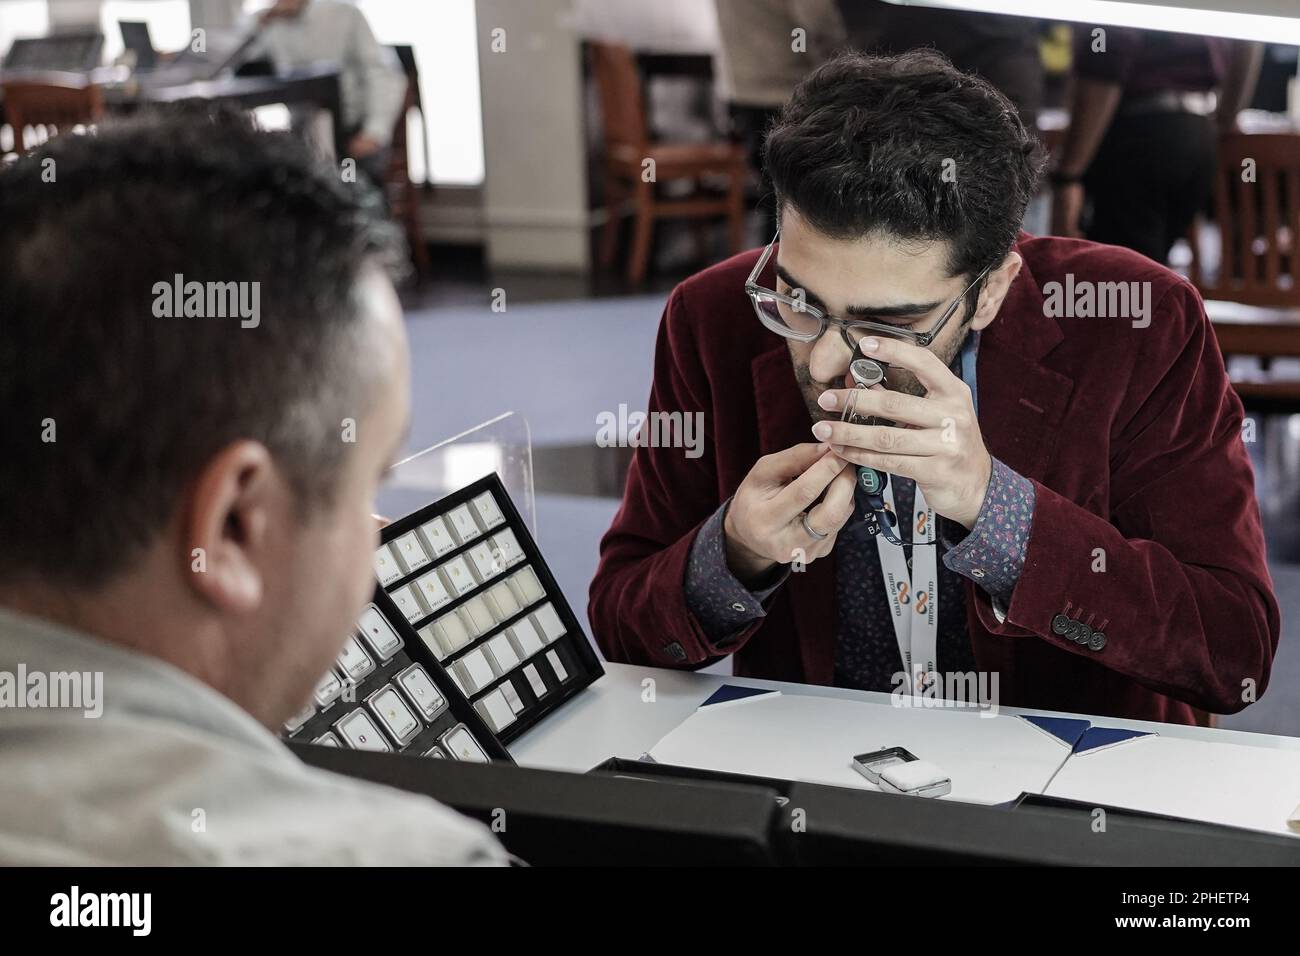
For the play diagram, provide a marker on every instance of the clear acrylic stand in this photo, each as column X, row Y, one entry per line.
column 502, row 445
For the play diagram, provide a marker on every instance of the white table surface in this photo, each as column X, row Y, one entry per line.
column 615, row 717
column 1217, row 782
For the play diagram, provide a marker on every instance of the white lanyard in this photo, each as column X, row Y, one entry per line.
column 914, row 598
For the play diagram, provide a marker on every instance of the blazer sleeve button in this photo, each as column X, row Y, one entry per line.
column 1061, row 625
column 1097, row 641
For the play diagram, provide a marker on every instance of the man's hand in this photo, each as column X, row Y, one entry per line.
column 361, row 146
column 937, row 441
column 763, row 527
column 280, row 10
column 1067, row 210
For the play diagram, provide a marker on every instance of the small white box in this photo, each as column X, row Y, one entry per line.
column 502, row 601
column 295, row 723
column 478, row 619
column 526, row 586
column 920, row 777
column 432, row 642
column 328, row 689
column 437, row 537
column 512, row 696
column 462, row 522
column 454, row 674
column 488, row 512
column 360, row 732
column 379, row 634
column 560, row 673
column 475, row 670
column 422, row 691
column 549, row 621
column 508, row 545
column 433, row 590
column 387, row 570
column 494, row 709
column 393, row 713
column 535, row 680
column 488, row 564
column 459, row 576
column 502, row 654
column 460, row 743
column 407, row 603
column 526, row 639
column 354, row 661
column 411, row 552
column 450, row 632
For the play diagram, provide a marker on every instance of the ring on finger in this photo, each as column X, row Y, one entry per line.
column 812, row 533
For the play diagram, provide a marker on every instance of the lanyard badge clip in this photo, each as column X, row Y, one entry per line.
column 879, row 519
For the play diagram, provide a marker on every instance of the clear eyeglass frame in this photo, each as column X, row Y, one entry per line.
column 759, row 295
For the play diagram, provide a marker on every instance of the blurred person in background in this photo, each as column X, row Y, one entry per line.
column 767, row 46
column 1002, row 49
column 1146, row 110
column 372, row 86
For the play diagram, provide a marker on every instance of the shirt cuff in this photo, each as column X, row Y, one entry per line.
column 722, row 605
column 993, row 553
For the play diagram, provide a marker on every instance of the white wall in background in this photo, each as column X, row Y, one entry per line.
column 534, row 189
column 69, row 14
column 22, row 18
column 446, row 54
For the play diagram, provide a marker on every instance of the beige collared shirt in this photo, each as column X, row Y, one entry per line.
column 372, row 86
column 172, row 772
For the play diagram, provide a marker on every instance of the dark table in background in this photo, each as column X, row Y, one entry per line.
column 124, row 93
column 317, row 86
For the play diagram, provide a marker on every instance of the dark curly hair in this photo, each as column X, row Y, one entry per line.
column 88, row 225
column 908, row 146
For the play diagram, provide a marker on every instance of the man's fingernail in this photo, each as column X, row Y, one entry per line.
column 821, row 431
column 826, row 400
column 870, row 344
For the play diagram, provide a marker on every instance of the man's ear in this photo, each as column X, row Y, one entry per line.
column 226, row 524
column 996, row 287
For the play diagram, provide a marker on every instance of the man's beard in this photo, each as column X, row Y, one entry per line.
column 896, row 380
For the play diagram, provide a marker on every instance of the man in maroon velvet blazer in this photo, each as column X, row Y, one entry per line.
column 1062, row 406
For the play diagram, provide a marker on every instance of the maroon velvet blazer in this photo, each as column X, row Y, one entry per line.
column 1131, row 436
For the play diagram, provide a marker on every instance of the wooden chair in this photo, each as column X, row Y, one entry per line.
column 52, row 103
column 404, row 195
column 627, row 146
column 1253, row 298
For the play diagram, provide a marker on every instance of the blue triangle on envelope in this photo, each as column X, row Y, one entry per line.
column 1105, row 736
column 728, row 692
column 1068, row 730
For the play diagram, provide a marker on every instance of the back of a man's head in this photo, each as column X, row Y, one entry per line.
column 173, row 288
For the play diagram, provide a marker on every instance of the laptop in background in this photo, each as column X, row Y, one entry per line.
column 136, row 38
column 72, row 52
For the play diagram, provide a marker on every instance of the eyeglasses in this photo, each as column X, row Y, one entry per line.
column 794, row 318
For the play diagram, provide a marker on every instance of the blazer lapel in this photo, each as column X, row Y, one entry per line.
column 1021, row 401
